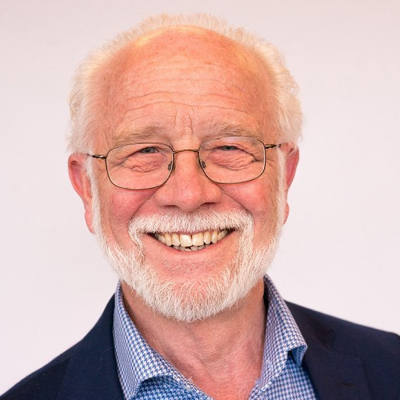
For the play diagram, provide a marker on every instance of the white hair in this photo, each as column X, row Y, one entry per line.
column 85, row 101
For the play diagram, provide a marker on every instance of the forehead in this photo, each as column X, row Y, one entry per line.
column 187, row 47
column 184, row 79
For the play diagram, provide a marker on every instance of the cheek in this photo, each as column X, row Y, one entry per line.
column 258, row 197
column 118, row 207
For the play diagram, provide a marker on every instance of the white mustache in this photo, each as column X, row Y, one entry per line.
column 191, row 223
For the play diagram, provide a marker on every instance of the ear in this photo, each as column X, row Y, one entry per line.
column 81, row 183
column 292, row 156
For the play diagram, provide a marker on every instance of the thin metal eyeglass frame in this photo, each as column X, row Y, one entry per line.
column 172, row 167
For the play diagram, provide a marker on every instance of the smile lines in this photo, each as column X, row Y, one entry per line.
column 185, row 242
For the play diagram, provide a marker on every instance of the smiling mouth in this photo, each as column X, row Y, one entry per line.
column 194, row 242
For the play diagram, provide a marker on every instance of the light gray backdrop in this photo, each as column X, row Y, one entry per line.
column 340, row 248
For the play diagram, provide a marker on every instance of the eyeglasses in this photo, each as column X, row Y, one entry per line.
column 142, row 166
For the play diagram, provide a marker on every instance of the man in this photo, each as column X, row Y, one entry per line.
column 184, row 148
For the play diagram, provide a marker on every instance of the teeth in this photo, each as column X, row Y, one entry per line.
column 222, row 234
column 197, row 239
column 168, row 239
column 193, row 248
column 175, row 240
column 185, row 242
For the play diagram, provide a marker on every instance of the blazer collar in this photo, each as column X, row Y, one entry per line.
column 334, row 374
column 92, row 369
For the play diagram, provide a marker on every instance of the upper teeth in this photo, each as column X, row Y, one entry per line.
column 185, row 240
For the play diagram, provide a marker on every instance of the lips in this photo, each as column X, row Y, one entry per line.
column 194, row 242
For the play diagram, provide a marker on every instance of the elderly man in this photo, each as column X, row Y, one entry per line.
column 183, row 152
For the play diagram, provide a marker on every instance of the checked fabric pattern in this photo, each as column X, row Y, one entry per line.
column 145, row 374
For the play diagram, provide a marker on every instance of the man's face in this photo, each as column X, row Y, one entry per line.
column 181, row 88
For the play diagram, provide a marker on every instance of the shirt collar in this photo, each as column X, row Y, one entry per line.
column 137, row 361
column 282, row 337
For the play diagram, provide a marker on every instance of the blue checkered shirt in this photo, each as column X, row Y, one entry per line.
column 145, row 374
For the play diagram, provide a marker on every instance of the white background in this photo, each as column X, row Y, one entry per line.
column 340, row 248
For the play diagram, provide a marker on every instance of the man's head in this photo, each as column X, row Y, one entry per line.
column 179, row 86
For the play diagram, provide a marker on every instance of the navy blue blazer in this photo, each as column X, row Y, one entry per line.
column 344, row 361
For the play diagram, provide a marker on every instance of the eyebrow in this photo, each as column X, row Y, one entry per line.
column 153, row 133
column 228, row 129
column 144, row 134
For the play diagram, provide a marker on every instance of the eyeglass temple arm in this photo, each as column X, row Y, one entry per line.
column 271, row 146
column 99, row 156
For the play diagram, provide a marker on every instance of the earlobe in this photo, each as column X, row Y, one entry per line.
column 287, row 209
column 82, row 185
column 292, row 160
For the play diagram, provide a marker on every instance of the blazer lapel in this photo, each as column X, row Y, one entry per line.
column 334, row 374
column 92, row 370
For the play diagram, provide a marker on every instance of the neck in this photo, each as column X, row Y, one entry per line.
column 221, row 355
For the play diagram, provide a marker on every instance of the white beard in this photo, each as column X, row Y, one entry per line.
column 194, row 299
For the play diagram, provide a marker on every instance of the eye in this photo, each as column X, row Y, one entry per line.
column 227, row 148
column 147, row 150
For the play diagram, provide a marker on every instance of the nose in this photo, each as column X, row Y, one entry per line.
column 187, row 188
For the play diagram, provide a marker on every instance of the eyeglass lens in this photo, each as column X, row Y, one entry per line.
column 148, row 165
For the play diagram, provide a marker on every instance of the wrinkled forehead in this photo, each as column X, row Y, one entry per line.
column 155, row 62
column 188, row 46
